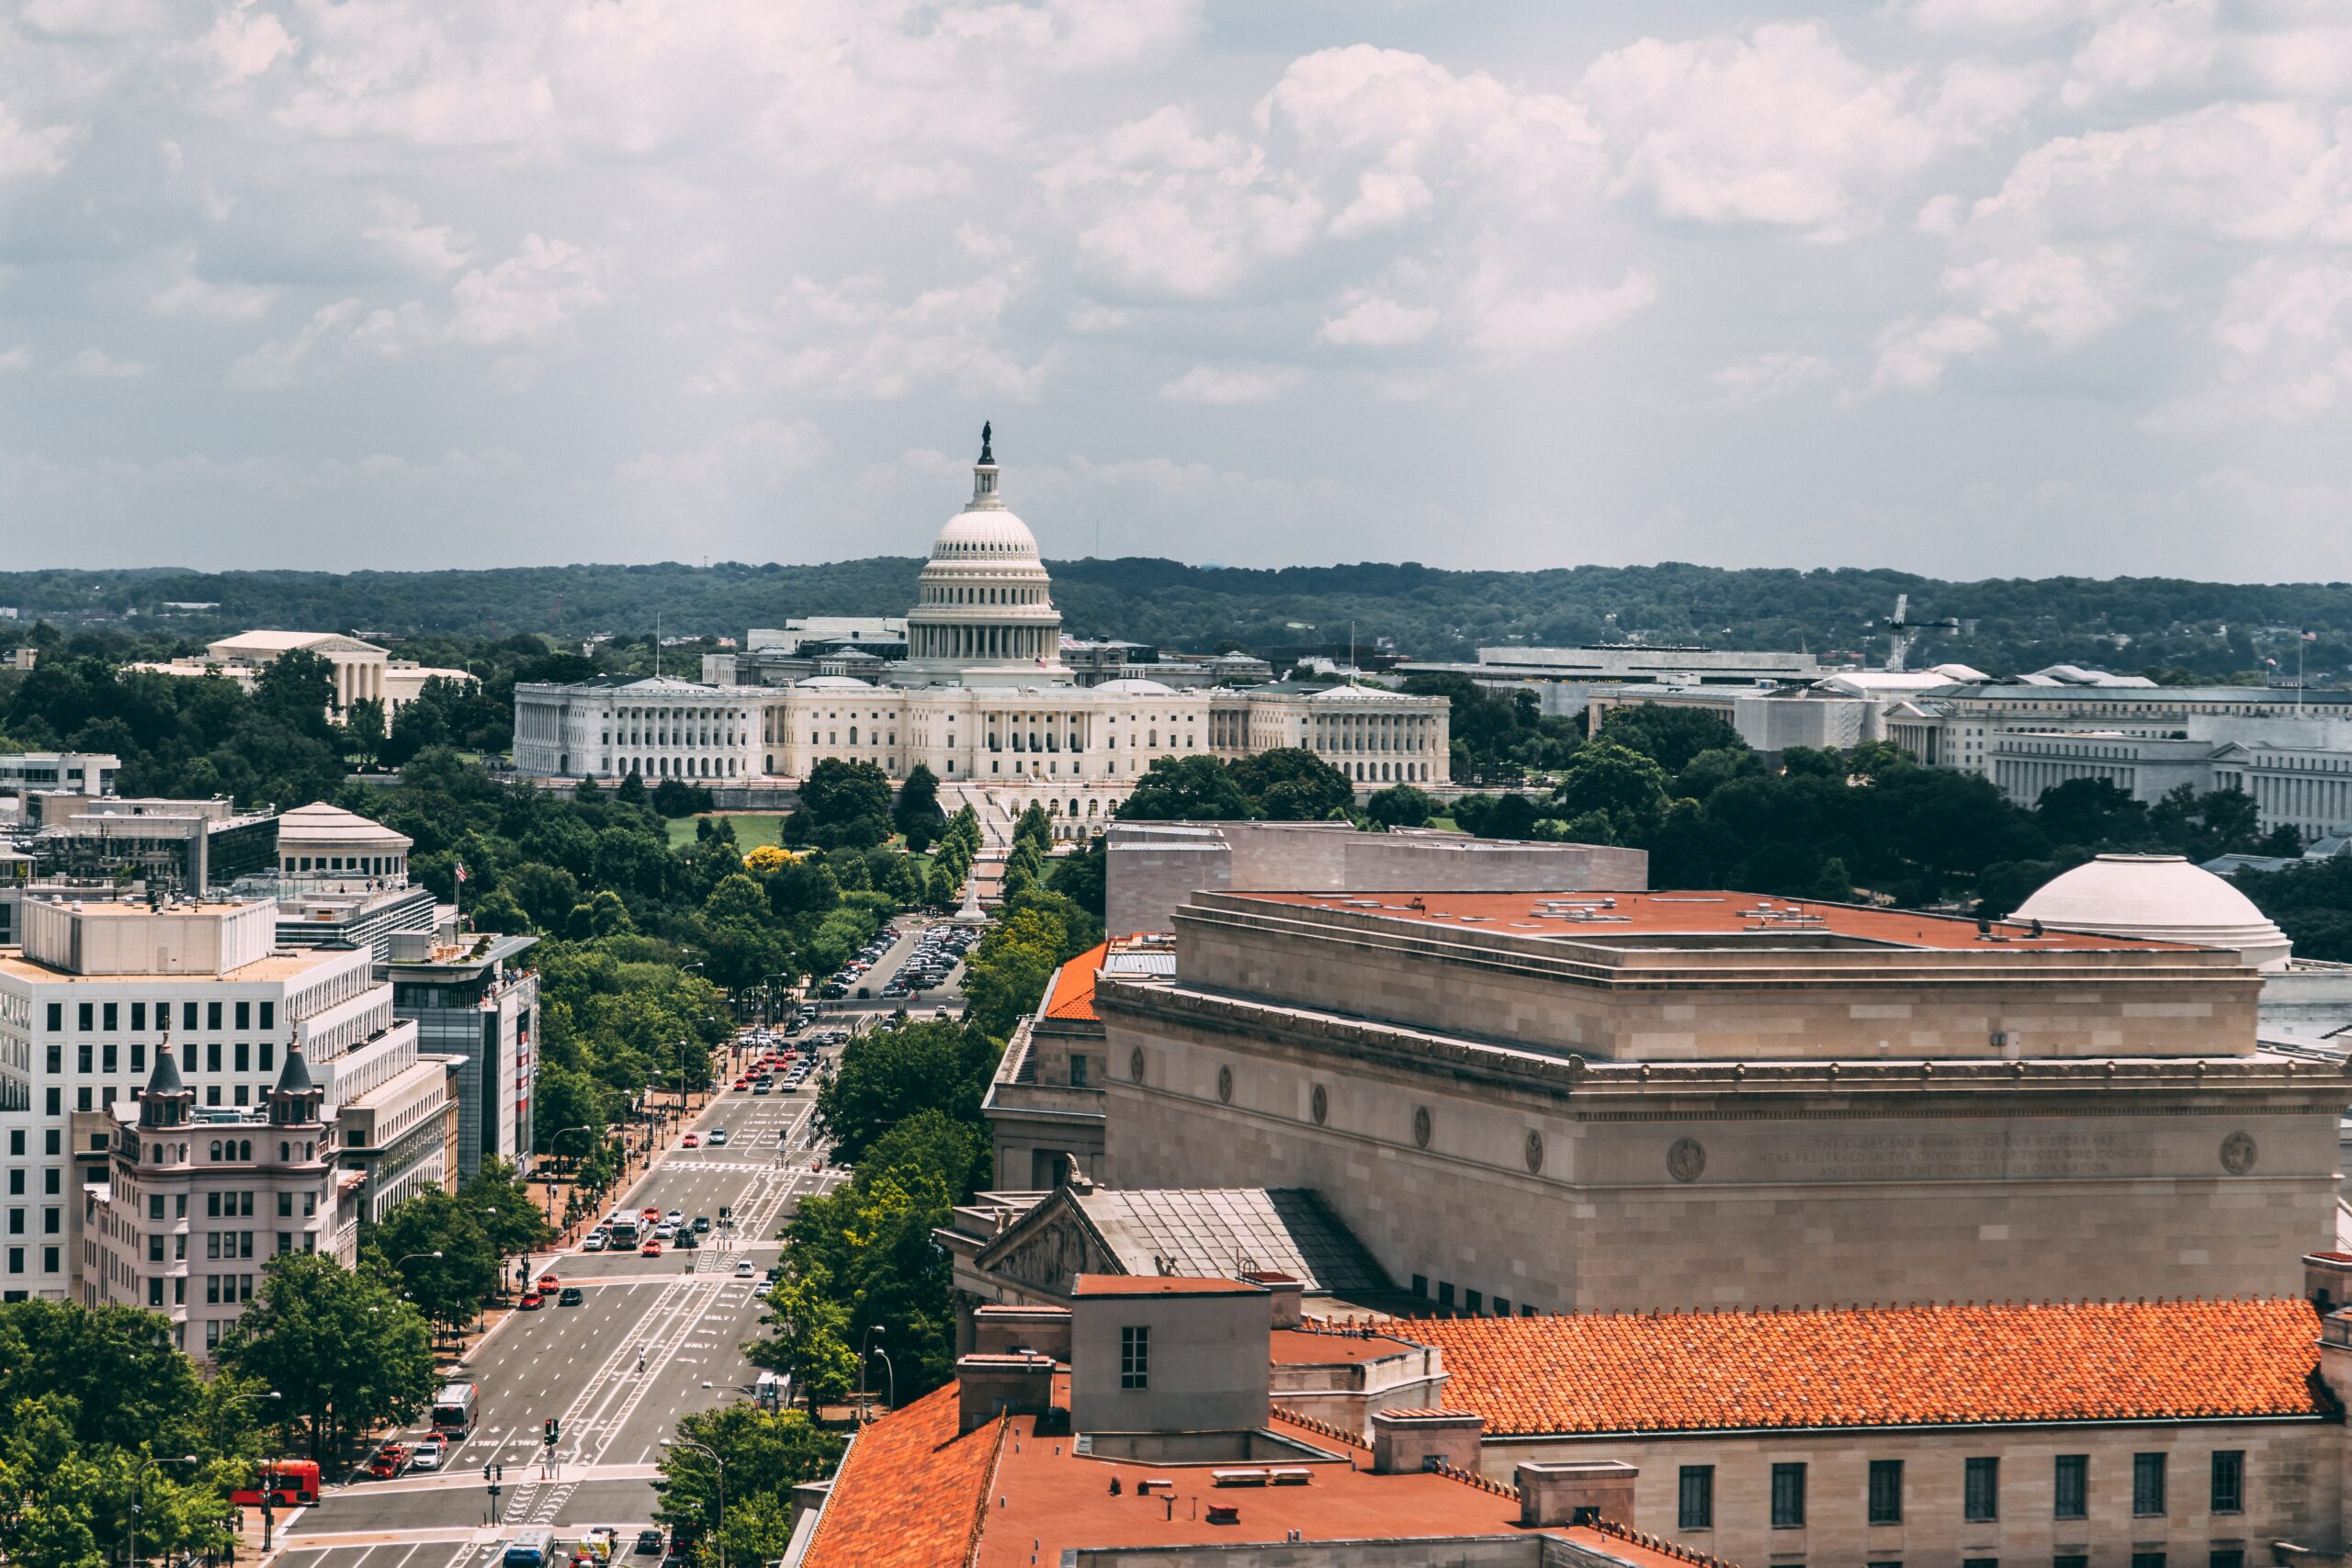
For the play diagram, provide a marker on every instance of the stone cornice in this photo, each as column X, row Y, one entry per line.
column 1596, row 1083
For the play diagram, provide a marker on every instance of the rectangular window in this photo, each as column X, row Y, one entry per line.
column 1421, row 1286
column 1886, row 1491
column 56, row 1016
column 138, row 1018
column 1473, row 1302
column 1134, row 1357
column 1788, row 1496
column 139, row 1056
column 212, row 1057
column 269, row 1015
column 82, row 1057
column 15, row 1261
column 1077, row 1072
column 155, row 1247
column 110, row 1017
column 212, row 1016
column 1695, row 1507
column 85, row 1015
column 244, row 1056
column 1980, row 1490
column 244, row 1015
column 268, row 1056
column 2229, row 1481
column 285, row 1241
column 180, row 1290
column 284, row 1205
column 212, row 1289
column 106, row 1059
column 49, row 1259
column 1445, row 1292
column 187, row 1056
column 155, row 1291
column 2226, row 1557
column 2070, row 1487
column 2148, row 1486
column 2147, row 1560
column 187, row 1015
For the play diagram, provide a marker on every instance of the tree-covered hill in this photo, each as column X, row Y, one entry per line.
column 2009, row 623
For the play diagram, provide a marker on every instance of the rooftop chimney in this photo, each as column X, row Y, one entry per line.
column 1019, row 1382
column 1408, row 1440
column 1575, row 1492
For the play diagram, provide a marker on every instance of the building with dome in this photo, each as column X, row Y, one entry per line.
column 982, row 699
column 2161, row 898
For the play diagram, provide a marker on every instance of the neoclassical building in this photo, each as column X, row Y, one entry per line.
column 982, row 699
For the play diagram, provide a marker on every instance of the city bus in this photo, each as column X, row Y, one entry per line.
column 531, row 1549
column 623, row 1229
column 453, row 1411
column 287, row 1484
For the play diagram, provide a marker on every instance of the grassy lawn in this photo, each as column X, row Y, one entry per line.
column 752, row 828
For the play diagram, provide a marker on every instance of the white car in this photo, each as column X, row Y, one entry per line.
column 675, row 1216
column 426, row 1456
column 665, row 1231
column 593, row 1242
column 743, row 1269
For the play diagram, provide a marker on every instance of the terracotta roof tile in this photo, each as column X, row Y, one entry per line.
column 1159, row 1285
column 908, row 1493
column 1880, row 1366
column 1073, row 994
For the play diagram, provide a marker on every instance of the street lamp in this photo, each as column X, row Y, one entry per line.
column 893, row 1372
column 268, row 1498
column 138, row 1490
column 713, row 1453
column 865, row 1359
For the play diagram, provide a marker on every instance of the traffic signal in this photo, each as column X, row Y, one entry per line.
column 554, row 1428
column 485, row 1472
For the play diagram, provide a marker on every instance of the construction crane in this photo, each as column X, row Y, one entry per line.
column 1902, row 631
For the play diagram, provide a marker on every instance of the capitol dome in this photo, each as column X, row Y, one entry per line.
column 984, row 609
column 2159, row 898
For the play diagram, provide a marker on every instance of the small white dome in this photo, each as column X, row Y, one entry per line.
column 1136, row 687
column 984, row 533
column 831, row 683
column 2159, row 898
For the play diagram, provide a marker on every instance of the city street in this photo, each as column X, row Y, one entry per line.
column 655, row 1338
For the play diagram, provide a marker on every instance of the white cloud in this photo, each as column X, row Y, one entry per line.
column 2284, row 337
column 1373, row 322
column 1516, row 326
column 1224, row 384
column 243, row 43
column 189, row 295
column 17, row 358
column 1766, row 376
column 25, row 151
column 1913, row 354
column 431, row 251
column 96, row 364
column 283, row 362
column 753, row 461
column 2063, row 295
column 853, row 339
column 2003, row 20
column 1784, row 127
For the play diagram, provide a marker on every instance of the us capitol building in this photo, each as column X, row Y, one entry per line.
column 982, row 699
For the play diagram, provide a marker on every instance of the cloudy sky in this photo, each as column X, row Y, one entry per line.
column 1968, row 287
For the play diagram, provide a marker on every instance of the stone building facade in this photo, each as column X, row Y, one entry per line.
column 982, row 699
column 1606, row 1102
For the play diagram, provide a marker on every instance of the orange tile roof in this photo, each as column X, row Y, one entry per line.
column 1159, row 1285
column 910, row 1492
column 1706, row 912
column 1073, row 994
column 1880, row 1366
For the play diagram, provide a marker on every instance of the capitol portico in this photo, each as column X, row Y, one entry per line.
column 982, row 699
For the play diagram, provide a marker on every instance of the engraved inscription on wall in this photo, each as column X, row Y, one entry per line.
column 1983, row 1153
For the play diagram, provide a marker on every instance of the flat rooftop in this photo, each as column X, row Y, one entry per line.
column 1647, row 918
column 261, row 971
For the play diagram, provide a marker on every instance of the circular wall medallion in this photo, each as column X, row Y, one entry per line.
column 1535, row 1151
column 2238, row 1153
column 1421, row 1125
column 1224, row 1085
column 1135, row 1064
column 1318, row 1104
column 1686, row 1159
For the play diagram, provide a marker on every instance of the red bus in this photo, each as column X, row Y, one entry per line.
column 289, row 1483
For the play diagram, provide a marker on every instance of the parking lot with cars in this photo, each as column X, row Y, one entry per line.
column 621, row 1342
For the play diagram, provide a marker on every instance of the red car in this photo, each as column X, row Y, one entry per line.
column 389, row 1461
column 650, row 1249
column 532, row 1301
column 742, row 1083
column 550, row 1282
column 691, row 1141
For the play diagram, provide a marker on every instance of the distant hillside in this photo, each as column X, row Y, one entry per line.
column 2126, row 622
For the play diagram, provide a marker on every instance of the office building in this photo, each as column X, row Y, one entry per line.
column 82, row 772
column 472, row 1000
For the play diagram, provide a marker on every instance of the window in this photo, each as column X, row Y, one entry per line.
column 1473, row 1302
column 2147, row 1560
column 56, row 1022
column 85, row 1015
column 2072, row 1486
column 49, row 1259
column 268, row 1056
column 1696, row 1508
column 212, row 1016
column 1134, row 1357
column 82, row 1057
column 1788, row 1496
column 244, row 1015
column 285, row 1202
column 155, row 1291
column 2148, row 1486
column 2229, row 1481
column 244, row 1055
column 1421, row 1285
column 2226, row 1557
column 138, row 1017
column 110, row 1015
column 269, row 1015
column 1445, row 1292
column 1886, row 1491
column 187, row 1015
column 1981, row 1491
column 212, row 1057
column 1077, row 1072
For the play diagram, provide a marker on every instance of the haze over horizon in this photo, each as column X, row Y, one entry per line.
column 1968, row 288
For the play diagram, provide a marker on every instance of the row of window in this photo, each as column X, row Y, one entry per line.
column 49, row 1264
column 107, row 1017
column 1980, row 1489
column 49, row 1179
column 50, row 1220
column 84, row 1098
column 2219, row 1557
column 1473, row 1302
column 109, row 1057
